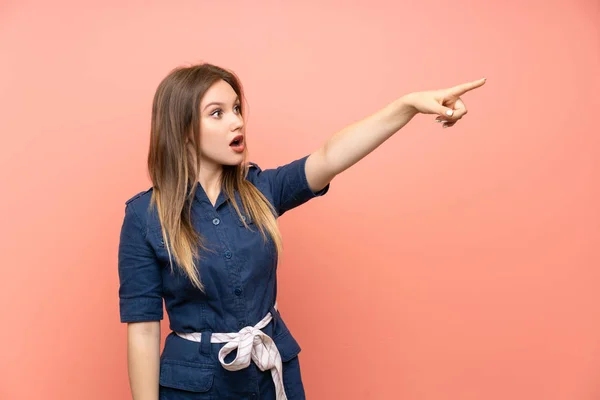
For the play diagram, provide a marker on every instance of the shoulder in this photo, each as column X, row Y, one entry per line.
column 252, row 166
column 253, row 172
column 139, row 205
column 140, row 197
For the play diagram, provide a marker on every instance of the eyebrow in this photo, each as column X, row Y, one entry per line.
column 218, row 103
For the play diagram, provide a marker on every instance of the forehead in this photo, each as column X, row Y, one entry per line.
column 220, row 91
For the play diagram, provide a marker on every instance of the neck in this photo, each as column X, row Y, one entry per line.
column 210, row 177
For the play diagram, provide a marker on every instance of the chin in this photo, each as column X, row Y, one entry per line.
column 232, row 162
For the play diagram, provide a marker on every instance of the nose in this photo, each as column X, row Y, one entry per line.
column 237, row 122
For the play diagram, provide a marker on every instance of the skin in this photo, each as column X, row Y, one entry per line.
column 351, row 144
column 220, row 123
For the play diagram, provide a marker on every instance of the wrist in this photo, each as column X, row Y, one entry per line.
column 405, row 106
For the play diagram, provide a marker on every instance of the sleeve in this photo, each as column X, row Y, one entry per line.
column 289, row 185
column 140, row 289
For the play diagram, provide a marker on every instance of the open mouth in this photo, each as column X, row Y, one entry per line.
column 237, row 141
column 237, row 144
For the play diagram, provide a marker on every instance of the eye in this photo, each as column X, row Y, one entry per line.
column 217, row 113
column 238, row 108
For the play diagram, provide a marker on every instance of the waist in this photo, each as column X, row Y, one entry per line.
column 224, row 337
column 252, row 344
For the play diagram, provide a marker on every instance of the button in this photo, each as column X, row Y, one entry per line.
column 241, row 324
column 216, row 221
column 238, row 291
column 228, row 254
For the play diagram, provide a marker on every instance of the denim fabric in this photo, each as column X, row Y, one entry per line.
column 239, row 274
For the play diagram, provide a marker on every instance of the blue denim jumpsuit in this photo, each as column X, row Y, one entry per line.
column 239, row 274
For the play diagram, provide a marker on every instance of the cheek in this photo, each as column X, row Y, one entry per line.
column 211, row 137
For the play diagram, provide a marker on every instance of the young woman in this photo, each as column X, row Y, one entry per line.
column 205, row 239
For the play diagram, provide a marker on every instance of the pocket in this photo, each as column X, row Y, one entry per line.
column 287, row 345
column 245, row 218
column 186, row 376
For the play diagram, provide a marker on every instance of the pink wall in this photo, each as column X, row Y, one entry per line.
column 475, row 273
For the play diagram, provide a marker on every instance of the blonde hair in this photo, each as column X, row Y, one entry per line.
column 174, row 164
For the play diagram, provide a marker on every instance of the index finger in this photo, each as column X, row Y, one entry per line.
column 459, row 90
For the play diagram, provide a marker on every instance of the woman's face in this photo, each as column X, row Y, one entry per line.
column 221, row 126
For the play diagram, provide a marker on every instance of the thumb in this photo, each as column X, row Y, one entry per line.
column 445, row 112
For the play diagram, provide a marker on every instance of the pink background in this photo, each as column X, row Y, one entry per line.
column 449, row 264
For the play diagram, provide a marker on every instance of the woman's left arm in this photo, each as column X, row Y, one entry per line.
column 351, row 144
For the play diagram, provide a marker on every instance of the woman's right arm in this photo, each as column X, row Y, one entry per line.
column 141, row 303
column 143, row 359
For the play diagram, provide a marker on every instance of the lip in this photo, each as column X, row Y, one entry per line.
column 238, row 137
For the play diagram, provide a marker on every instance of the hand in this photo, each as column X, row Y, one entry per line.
column 445, row 102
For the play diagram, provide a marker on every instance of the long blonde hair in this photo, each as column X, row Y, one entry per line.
column 174, row 164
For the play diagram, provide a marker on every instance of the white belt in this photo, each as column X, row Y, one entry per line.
column 253, row 343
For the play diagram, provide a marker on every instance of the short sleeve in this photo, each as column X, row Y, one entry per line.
column 140, row 280
column 289, row 185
